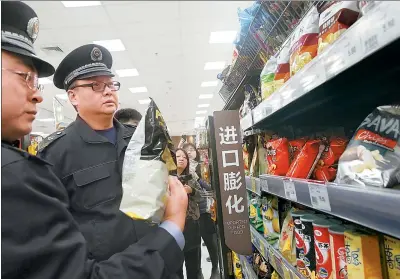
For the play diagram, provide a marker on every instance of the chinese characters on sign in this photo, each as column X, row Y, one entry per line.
column 231, row 178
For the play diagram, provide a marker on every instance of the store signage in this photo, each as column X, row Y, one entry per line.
column 232, row 181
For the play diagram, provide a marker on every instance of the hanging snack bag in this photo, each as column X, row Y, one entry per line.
column 278, row 156
column 295, row 147
column 255, row 213
column 270, row 219
column 287, row 244
column 305, row 162
column 305, row 41
column 148, row 161
column 334, row 21
column 267, row 77
column 373, row 155
column 246, row 158
column 254, row 163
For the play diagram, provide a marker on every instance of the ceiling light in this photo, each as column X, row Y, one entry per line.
column 45, row 81
column 73, row 4
column 203, row 105
column 127, row 72
column 206, row 96
column 144, row 102
column 209, row 83
column 46, row 120
column 62, row 96
column 201, row 112
column 142, row 89
column 217, row 65
column 111, row 45
column 199, row 118
column 222, row 37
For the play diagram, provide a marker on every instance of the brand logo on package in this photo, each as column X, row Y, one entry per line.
column 232, row 181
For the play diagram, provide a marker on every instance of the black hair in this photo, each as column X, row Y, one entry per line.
column 128, row 114
column 186, row 171
column 188, row 144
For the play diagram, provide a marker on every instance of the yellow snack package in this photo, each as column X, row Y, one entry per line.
column 362, row 255
column 392, row 255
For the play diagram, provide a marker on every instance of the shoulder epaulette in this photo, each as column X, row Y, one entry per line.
column 50, row 139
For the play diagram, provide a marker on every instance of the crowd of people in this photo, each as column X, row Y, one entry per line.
column 60, row 209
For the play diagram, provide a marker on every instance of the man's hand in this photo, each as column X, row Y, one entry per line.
column 177, row 203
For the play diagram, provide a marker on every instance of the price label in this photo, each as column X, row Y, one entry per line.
column 262, row 249
column 264, row 185
column 290, row 190
column 272, row 259
column 319, row 197
column 253, row 184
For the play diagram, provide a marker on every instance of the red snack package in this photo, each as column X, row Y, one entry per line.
column 295, row 147
column 325, row 173
column 278, row 156
column 305, row 162
column 338, row 146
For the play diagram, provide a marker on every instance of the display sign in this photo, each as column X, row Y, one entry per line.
column 232, row 181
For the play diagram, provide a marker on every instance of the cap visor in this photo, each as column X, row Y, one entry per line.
column 43, row 68
column 96, row 74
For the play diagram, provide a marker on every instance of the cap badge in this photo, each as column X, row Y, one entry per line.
column 96, row 54
column 33, row 28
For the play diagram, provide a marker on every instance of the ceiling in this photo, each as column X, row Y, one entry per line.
column 167, row 42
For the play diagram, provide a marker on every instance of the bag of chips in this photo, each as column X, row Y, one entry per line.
column 147, row 164
column 305, row 41
column 334, row 21
column 267, row 77
column 278, row 156
column 282, row 73
column 372, row 158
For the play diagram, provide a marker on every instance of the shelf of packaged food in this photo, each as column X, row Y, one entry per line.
column 374, row 208
column 253, row 184
column 374, row 31
column 274, row 257
column 246, row 268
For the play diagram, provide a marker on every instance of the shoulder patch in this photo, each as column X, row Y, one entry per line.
column 50, row 139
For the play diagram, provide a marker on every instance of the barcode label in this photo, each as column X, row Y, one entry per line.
column 319, row 197
column 371, row 43
column 264, row 185
column 290, row 190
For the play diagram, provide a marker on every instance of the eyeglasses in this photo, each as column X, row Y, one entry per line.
column 31, row 79
column 99, row 86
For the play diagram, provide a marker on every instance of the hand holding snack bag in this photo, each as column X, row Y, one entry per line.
column 147, row 164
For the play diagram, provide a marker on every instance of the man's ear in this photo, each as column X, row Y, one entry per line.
column 73, row 98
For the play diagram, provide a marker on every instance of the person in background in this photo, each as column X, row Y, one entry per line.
column 128, row 116
column 40, row 238
column 88, row 157
column 207, row 226
column 191, row 232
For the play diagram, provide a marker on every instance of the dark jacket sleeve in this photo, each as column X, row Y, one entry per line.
column 41, row 240
column 204, row 185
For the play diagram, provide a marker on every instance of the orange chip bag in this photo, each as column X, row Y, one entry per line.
column 305, row 41
column 338, row 146
column 305, row 162
column 278, row 156
column 325, row 173
column 295, row 147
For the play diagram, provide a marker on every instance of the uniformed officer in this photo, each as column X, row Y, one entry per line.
column 40, row 238
column 88, row 157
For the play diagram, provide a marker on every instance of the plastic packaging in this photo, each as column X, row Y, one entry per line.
column 147, row 164
column 267, row 77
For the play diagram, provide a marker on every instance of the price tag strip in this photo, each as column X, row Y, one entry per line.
column 290, row 190
column 253, row 185
column 319, row 197
column 264, row 185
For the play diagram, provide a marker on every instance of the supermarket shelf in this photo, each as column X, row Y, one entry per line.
column 253, row 184
column 247, row 269
column 274, row 257
column 323, row 85
column 246, row 122
column 373, row 208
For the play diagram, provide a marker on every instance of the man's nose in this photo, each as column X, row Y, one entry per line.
column 37, row 97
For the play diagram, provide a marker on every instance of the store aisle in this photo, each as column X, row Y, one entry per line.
column 206, row 266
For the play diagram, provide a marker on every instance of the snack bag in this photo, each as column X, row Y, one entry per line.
column 295, row 147
column 148, row 161
column 270, row 218
column 287, row 244
column 254, row 163
column 373, row 155
column 334, row 21
column 265, row 270
column 392, row 255
column 282, row 73
column 246, row 159
column 255, row 213
column 267, row 77
column 305, row 41
column 305, row 162
column 278, row 156
column 237, row 267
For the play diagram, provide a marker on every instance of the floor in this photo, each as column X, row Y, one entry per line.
column 205, row 266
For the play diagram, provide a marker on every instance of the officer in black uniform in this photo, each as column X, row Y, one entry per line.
column 88, row 157
column 40, row 238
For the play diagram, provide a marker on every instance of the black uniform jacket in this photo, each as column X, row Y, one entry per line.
column 40, row 238
column 90, row 167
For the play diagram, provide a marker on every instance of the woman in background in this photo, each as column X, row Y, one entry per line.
column 207, row 227
column 192, row 250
